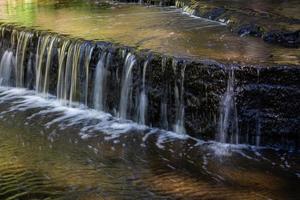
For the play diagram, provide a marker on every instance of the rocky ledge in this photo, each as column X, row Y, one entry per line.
column 261, row 19
column 248, row 103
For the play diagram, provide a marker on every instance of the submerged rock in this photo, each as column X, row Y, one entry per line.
column 251, row 19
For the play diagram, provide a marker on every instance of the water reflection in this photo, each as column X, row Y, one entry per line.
column 165, row 30
column 62, row 161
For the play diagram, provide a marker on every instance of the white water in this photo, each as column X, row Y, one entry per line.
column 61, row 69
column 88, row 56
column 41, row 51
column 23, row 40
column 179, row 101
column 92, row 122
column 99, row 83
column 164, row 105
column 126, row 84
column 228, row 114
column 6, row 66
column 143, row 102
column 48, row 65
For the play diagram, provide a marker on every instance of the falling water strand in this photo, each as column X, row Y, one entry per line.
column 258, row 116
column 228, row 114
column 22, row 44
column 99, row 83
column 68, row 72
column 6, row 66
column 143, row 101
column 88, row 56
column 61, row 69
column 75, row 66
column 48, row 65
column 125, row 99
column 163, row 107
column 42, row 46
column 179, row 100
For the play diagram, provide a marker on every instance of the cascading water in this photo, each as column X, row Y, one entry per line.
column 164, row 104
column 88, row 56
column 49, row 60
column 143, row 101
column 126, row 91
column 99, row 83
column 75, row 78
column 41, row 51
column 68, row 65
column 179, row 100
column 6, row 66
column 228, row 114
column 61, row 69
column 22, row 43
column 105, row 76
column 75, row 68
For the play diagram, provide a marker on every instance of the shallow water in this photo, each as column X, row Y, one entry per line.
column 165, row 30
column 48, row 151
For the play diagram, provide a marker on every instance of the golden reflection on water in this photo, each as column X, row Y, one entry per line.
column 60, row 164
column 164, row 30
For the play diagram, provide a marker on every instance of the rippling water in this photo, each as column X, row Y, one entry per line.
column 165, row 30
column 48, row 151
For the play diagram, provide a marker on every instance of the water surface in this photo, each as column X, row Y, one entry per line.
column 48, row 151
column 165, row 30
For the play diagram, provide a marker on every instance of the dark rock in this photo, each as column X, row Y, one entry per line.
column 214, row 13
column 267, row 97
column 288, row 39
column 250, row 29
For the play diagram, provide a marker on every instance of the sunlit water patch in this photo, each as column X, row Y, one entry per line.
column 166, row 30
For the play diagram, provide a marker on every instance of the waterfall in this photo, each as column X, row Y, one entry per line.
column 258, row 129
column 125, row 99
column 228, row 114
column 6, row 65
column 68, row 66
column 164, row 100
column 48, row 64
column 61, row 69
column 88, row 56
column 99, row 83
column 41, row 50
column 68, row 73
column 143, row 101
column 44, row 59
column 23, row 39
column 179, row 100
column 75, row 67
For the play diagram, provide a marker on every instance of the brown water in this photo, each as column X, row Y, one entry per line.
column 165, row 30
column 49, row 151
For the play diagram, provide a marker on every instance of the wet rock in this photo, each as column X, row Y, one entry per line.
column 288, row 39
column 250, row 29
column 248, row 21
column 214, row 13
column 267, row 97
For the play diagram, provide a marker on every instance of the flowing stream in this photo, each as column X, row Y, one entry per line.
column 87, row 119
column 59, row 152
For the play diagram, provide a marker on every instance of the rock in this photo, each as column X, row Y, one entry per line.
column 288, row 39
column 250, row 29
column 214, row 13
column 267, row 97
